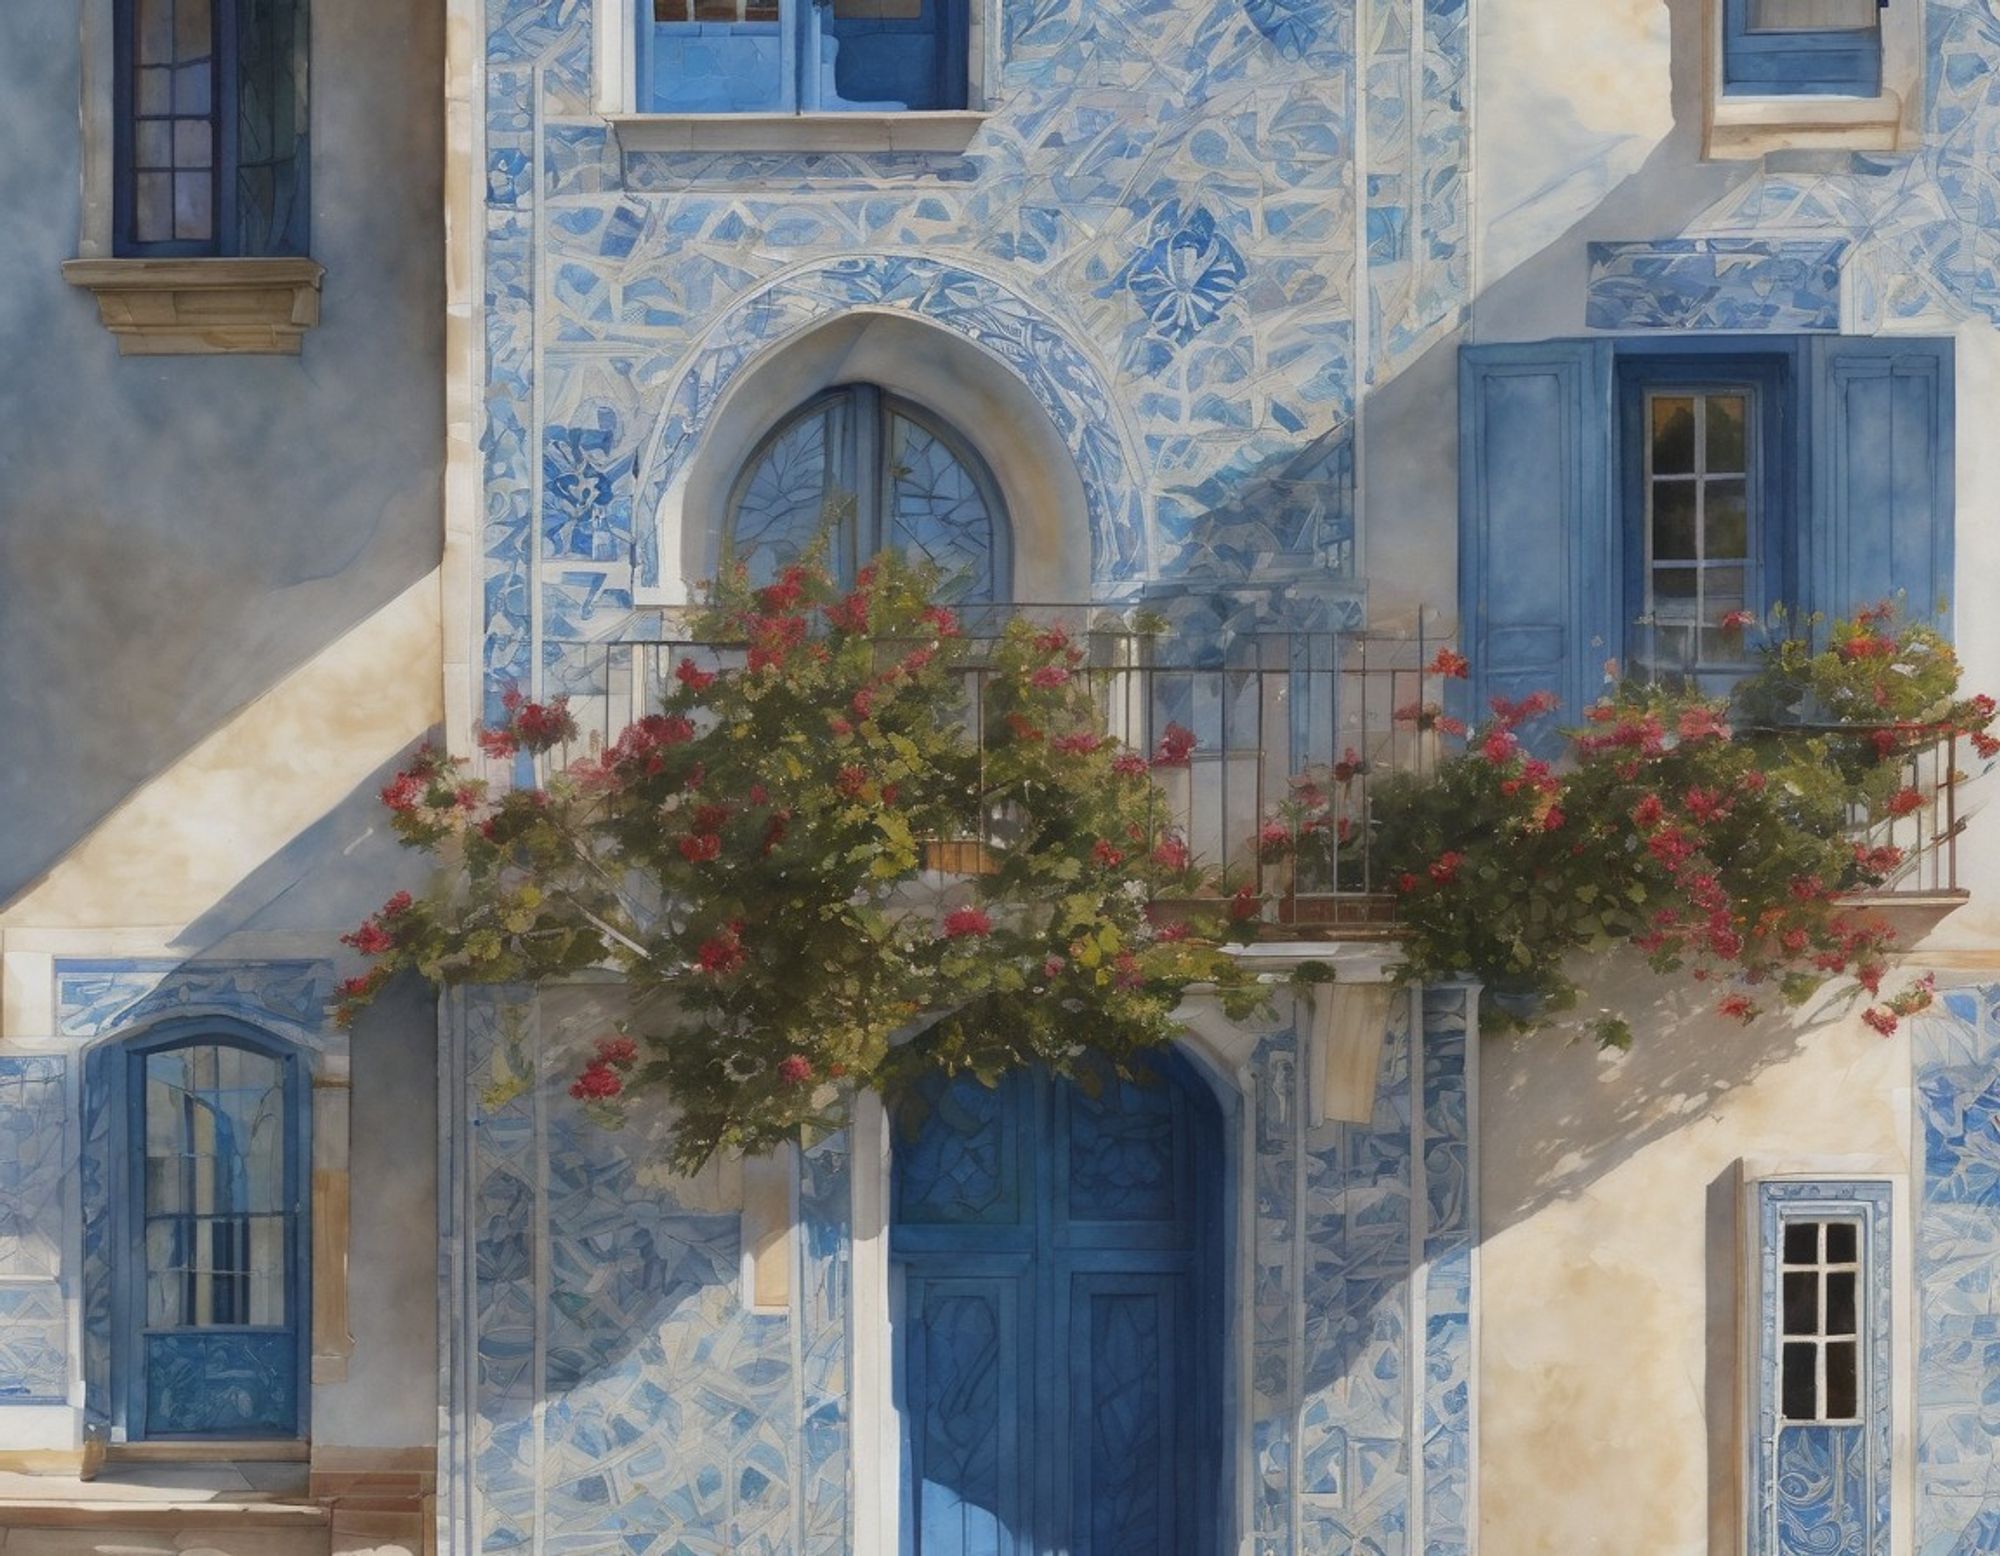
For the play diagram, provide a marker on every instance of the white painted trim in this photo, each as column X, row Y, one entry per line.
column 768, row 1249
column 877, row 1447
column 942, row 130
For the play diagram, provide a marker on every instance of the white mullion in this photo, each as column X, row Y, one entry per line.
column 1700, row 407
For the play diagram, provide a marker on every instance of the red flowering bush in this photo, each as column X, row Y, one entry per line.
column 1718, row 840
column 751, row 858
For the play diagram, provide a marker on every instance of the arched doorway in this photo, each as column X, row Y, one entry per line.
column 1060, row 1347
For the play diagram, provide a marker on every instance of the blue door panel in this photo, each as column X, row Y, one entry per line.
column 1837, row 62
column 1061, row 1366
column 222, row 1384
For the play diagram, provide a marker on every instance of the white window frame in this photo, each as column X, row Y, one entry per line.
column 1738, row 127
column 616, row 93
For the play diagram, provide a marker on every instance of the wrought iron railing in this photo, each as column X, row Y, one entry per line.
column 1263, row 709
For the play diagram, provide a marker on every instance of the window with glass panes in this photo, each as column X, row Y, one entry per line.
column 1819, row 1276
column 803, row 56
column 212, row 128
column 1698, row 527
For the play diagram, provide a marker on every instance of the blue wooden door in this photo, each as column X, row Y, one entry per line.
column 1061, row 1263
column 214, row 1332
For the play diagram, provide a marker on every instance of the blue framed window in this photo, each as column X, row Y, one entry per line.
column 802, row 56
column 1573, row 550
column 211, row 128
column 211, row 1323
column 873, row 472
column 1822, row 1432
column 1708, row 487
column 1787, row 48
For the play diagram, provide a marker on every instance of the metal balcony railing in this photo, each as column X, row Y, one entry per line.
column 1340, row 709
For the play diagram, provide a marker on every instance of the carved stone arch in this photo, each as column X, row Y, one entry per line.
column 1007, row 375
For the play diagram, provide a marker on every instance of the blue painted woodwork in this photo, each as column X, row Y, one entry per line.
column 876, row 473
column 1537, row 576
column 1061, row 1267
column 1857, row 495
column 1883, row 466
column 1769, row 379
column 812, row 56
column 1833, row 61
column 1823, row 1489
column 210, row 131
column 865, row 56
column 210, row 1316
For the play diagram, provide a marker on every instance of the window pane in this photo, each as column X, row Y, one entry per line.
column 1802, row 1304
column 192, row 143
column 1725, row 433
column 878, row 10
column 1812, row 15
column 194, row 207
column 1801, row 1385
column 1674, row 592
column 1727, row 520
column 153, row 214
column 194, row 88
column 155, row 22
column 1673, row 436
column 937, row 510
column 156, row 92
column 1842, row 1378
column 1841, row 1242
column 789, row 496
column 1840, row 1307
column 1802, row 1242
column 1674, row 521
column 153, row 145
column 191, row 29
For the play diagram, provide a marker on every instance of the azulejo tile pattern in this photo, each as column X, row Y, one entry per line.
column 617, row 1390
column 1956, row 1053
column 34, row 1148
column 1716, row 284
column 1158, row 230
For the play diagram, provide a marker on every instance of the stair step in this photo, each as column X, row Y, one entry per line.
column 177, row 1514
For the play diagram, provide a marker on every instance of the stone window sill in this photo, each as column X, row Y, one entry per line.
column 1740, row 128
column 203, row 307
column 949, row 130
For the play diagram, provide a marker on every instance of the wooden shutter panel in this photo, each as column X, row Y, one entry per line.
column 1879, row 524
column 1538, row 586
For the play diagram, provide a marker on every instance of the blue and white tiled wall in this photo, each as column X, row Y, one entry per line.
column 609, row 1387
column 1957, row 1082
column 1184, row 226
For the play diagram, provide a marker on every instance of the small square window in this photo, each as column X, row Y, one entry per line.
column 1802, row 48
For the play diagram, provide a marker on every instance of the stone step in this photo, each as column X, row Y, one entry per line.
column 164, row 1528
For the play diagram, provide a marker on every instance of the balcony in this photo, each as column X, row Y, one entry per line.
column 1266, row 710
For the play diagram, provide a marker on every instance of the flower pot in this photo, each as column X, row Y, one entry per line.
column 959, row 856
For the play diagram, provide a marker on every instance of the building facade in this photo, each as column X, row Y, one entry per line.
column 1321, row 329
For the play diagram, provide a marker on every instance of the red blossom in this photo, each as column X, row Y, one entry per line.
column 693, row 677
column 1740, row 1006
column 1444, row 869
column 397, row 905
column 795, row 1069
column 497, row 743
column 1053, row 641
column 1705, row 805
column 1881, row 1020
column 1987, row 746
column 361, row 987
column 1024, row 729
column 701, row 847
column 863, row 703
column 1175, row 746
column 1082, row 743
column 371, row 939
column 961, row 923
column 403, row 793
column 1053, row 965
column 720, row 954
column 850, row 614
column 1407, row 883
column 1647, row 813
column 1552, row 819
column 772, row 640
column 621, row 1053
column 1499, row 746
column 1512, row 714
column 850, row 781
column 1244, row 903
column 1171, row 854
column 1129, row 764
column 1449, row 662
column 597, row 1083
column 1878, row 861
column 1349, row 767
column 1274, row 840
column 1048, row 677
column 1738, row 620
column 941, row 621
column 1904, row 801
column 1103, row 853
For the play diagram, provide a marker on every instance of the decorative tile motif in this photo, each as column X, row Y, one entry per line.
column 34, row 1164
column 1716, row 284
column 1182, row 279
column 1955, row 1052
column 96, row 997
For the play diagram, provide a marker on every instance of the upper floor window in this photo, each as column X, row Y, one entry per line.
column 873, row 472
column 802, row 56
column 1785, row 48
column 211, row 128
column 1820, row 1363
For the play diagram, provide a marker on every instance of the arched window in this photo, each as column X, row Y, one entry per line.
column 877, row 473
column 213, row 1336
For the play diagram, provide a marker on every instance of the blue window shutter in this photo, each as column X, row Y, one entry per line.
column 1880, row 518
column 886, row 64
column 1538, row 581
column 1832, row 61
